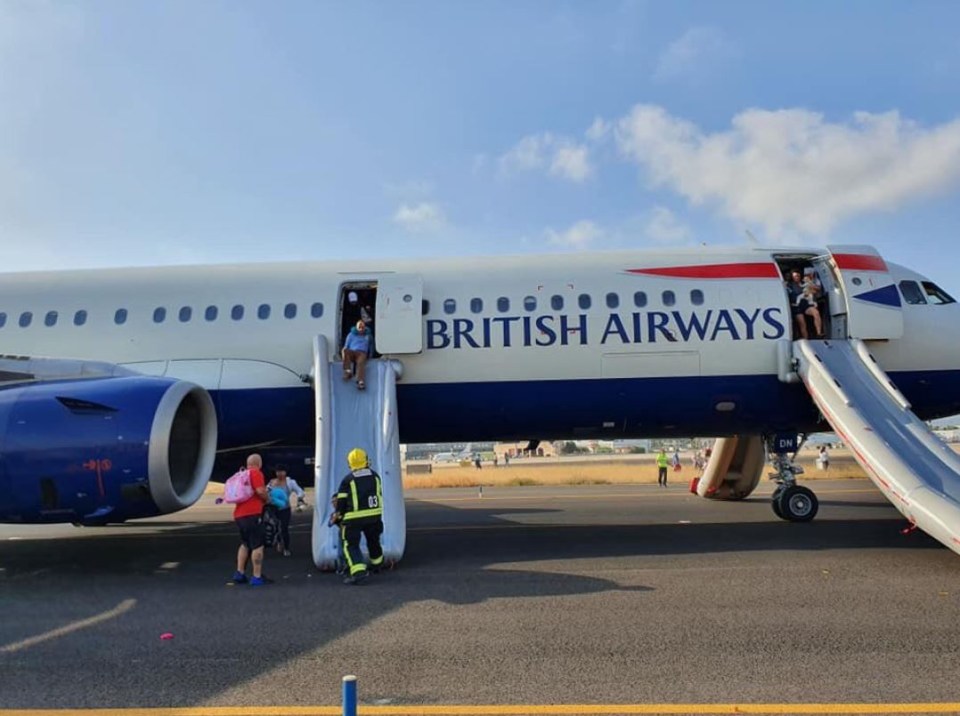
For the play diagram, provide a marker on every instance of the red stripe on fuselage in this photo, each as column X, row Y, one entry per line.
column 757, row 270
column 859, row 262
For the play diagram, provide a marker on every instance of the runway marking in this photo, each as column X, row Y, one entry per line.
column 510, row 710
column 125, row 606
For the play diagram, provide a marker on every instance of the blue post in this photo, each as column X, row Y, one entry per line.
column 349, row 696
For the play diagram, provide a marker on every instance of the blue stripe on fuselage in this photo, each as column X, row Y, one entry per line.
column 550, row 409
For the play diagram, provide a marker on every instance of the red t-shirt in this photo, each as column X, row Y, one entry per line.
column 254, row 506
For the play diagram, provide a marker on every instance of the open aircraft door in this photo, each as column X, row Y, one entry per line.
column 874, row 310
column 399, row 325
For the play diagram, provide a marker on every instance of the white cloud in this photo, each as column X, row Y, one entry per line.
column 562, row 157
column 571, row 161
column 699, row 51
column 599, row 130
column 665, row 228
column 578, row 236
column 421, row 218
column 790, row 170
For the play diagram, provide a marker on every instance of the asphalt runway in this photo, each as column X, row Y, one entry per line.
column 608, row 594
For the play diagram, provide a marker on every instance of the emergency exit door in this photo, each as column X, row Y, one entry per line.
column 399, row 320
column 874, row 310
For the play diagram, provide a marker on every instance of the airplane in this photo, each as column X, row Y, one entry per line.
column 465, row 454
column 123, row 390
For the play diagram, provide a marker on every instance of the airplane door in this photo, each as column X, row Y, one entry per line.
column 398, row 328
column 873, row 302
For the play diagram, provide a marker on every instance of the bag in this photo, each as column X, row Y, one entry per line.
column 278, row 498
column 677, row 467
column 271, row 527
column 238, row 489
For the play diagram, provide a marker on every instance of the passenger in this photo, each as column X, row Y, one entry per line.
column 357, row 308
column 801, row 305
column 359, row 511
column 356, row 350
column 476, row 461
column 662, row 463
column 823, row 459
column 248, row 516
column 677, row 466
column 282, row 483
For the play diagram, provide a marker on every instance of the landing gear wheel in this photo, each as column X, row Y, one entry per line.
column 798, row 504
column 775, row 501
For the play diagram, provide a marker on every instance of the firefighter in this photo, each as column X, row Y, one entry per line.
column 360, row 512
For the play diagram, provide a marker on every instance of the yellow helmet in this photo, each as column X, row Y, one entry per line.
column 357, row 458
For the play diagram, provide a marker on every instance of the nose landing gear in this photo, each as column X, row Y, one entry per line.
column 790, row 501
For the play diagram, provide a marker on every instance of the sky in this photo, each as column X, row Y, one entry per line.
column 144, row 133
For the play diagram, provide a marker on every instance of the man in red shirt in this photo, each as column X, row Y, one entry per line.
column 247, row 515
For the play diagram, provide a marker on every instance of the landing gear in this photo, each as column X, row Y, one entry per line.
column 790, row 501
column 797, row 504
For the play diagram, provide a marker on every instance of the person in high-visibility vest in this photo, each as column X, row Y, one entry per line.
column 662, row 463
column 360, row 512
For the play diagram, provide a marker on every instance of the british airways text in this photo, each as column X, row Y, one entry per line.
column 639, row 327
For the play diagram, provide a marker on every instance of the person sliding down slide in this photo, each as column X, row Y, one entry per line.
column 356, row 350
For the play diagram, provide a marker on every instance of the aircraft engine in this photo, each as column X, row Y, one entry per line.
column 734, row 468
column 103, row 450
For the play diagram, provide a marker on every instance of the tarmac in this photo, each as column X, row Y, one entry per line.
column 635, row 597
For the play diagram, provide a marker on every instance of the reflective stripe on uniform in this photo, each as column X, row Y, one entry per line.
column 358, row 514
column 355, row 504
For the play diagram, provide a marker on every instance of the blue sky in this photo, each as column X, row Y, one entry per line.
column 137, row 133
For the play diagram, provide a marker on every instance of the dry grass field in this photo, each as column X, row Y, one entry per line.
column 549, row 471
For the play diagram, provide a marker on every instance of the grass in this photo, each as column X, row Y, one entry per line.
column 614, row 471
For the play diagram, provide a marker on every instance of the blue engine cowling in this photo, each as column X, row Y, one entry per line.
column 103, row 450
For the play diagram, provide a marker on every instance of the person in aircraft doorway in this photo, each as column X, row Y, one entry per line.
column 662, row 463
column 356, row 350
column 803, row 303
column 359, row 511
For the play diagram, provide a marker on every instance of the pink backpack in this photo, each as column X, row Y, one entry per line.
column 238, row 489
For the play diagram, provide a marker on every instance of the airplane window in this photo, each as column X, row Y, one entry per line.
column 583, row 300
column 696, row 297
column 120, row 317
column 263, row 311
column 79, row 318
column 186, row 313
column 912, row 293
column 556, row 303
column 316, row 310
column 639, row 299
column 290, row 310
column 236, row 313
column 450, row 306
column 669, row 298
column 530, row 303
column 159, row 314
column 476, row 305
column 424, row 307
column 613, row 300
column 936, row 295
column 3, row 319
column 211, row 313
column 26, row 318
column 50, row 319
column 503, row 304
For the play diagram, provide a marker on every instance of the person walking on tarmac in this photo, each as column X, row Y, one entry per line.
column 359, row 511
column 662, row 462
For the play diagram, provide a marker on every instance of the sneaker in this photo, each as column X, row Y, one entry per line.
column 286, row 553
column 239, row 578
column 358, row 578
column 260, row 581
